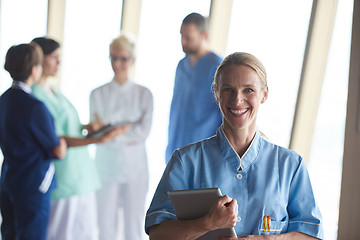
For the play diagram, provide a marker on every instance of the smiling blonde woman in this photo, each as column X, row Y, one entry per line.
column 268, row 194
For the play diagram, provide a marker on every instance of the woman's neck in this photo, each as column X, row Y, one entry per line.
column 240, row 139
column 121, row 79
column 44, row 83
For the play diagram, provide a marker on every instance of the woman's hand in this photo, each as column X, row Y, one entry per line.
column 60, row 150
column 95, row 125
column 114, row 133
column 223, row 214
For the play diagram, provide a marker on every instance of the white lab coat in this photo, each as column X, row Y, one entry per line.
column 122, row 163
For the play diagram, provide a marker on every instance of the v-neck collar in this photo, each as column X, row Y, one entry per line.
column 197, row 62
column 229, row 154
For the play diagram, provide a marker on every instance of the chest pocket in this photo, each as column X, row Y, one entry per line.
column 274, row 227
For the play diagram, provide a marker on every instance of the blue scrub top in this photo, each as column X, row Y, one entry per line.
column 194, row 113
column 27, row 137
column 272, row 181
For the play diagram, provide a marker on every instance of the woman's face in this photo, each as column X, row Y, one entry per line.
column 240, row 93
column 51, row 63
column 120, row 61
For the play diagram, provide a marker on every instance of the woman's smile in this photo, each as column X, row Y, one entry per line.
column 238, row 112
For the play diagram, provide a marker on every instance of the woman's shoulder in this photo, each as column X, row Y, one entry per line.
column 280, row 151
column 43, row 94
column 26, row 99
column 140, row 89
column 139, row 86
column 37, row 90
column 101, row 91
column 198, row 147
column 195, row 153
column 102, row 87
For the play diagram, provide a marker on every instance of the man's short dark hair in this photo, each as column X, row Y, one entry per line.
column 197, row 19
column 20, row 59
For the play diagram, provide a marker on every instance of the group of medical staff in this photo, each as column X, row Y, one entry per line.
column 52, row 189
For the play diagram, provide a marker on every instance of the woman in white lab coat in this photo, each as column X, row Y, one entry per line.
column 122, row 163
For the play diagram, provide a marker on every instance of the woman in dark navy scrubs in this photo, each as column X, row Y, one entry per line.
column 28, row 142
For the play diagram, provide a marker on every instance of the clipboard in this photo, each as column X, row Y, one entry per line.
column 196, row 203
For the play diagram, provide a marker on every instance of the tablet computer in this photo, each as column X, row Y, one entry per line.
column 107, row 128
column 102, row 131
column 196, row 203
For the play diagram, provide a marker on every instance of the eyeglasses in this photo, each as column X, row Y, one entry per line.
column 121, row 59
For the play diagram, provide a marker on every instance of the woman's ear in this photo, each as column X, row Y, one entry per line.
column 216, row 93
column 266, row 92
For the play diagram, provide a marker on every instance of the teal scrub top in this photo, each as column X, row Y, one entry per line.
column 76, row 173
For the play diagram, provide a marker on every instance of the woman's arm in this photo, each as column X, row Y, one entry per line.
column 77, row 142
column 94, row 125
column 283, row 236
column 222, row 215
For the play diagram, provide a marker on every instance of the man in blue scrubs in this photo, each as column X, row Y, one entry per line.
column 194, row 113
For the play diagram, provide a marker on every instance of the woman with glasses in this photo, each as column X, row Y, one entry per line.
column 122, row 162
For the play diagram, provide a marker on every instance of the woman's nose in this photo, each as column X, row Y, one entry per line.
column 238, row 97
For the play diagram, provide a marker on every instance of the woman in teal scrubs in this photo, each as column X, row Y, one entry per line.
column 73, row 207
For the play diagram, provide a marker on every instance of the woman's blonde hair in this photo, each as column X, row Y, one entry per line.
column 124, row 41
column 240, row 58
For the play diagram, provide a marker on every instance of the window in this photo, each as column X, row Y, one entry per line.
column 90, row 26
column 275, row 32
column 19, row 25
column 325, row 166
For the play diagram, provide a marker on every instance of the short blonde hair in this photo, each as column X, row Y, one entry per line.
column 124, row 41
column 241, row 58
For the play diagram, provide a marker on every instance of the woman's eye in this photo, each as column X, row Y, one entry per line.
column 227, row 90
column 248, row 90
